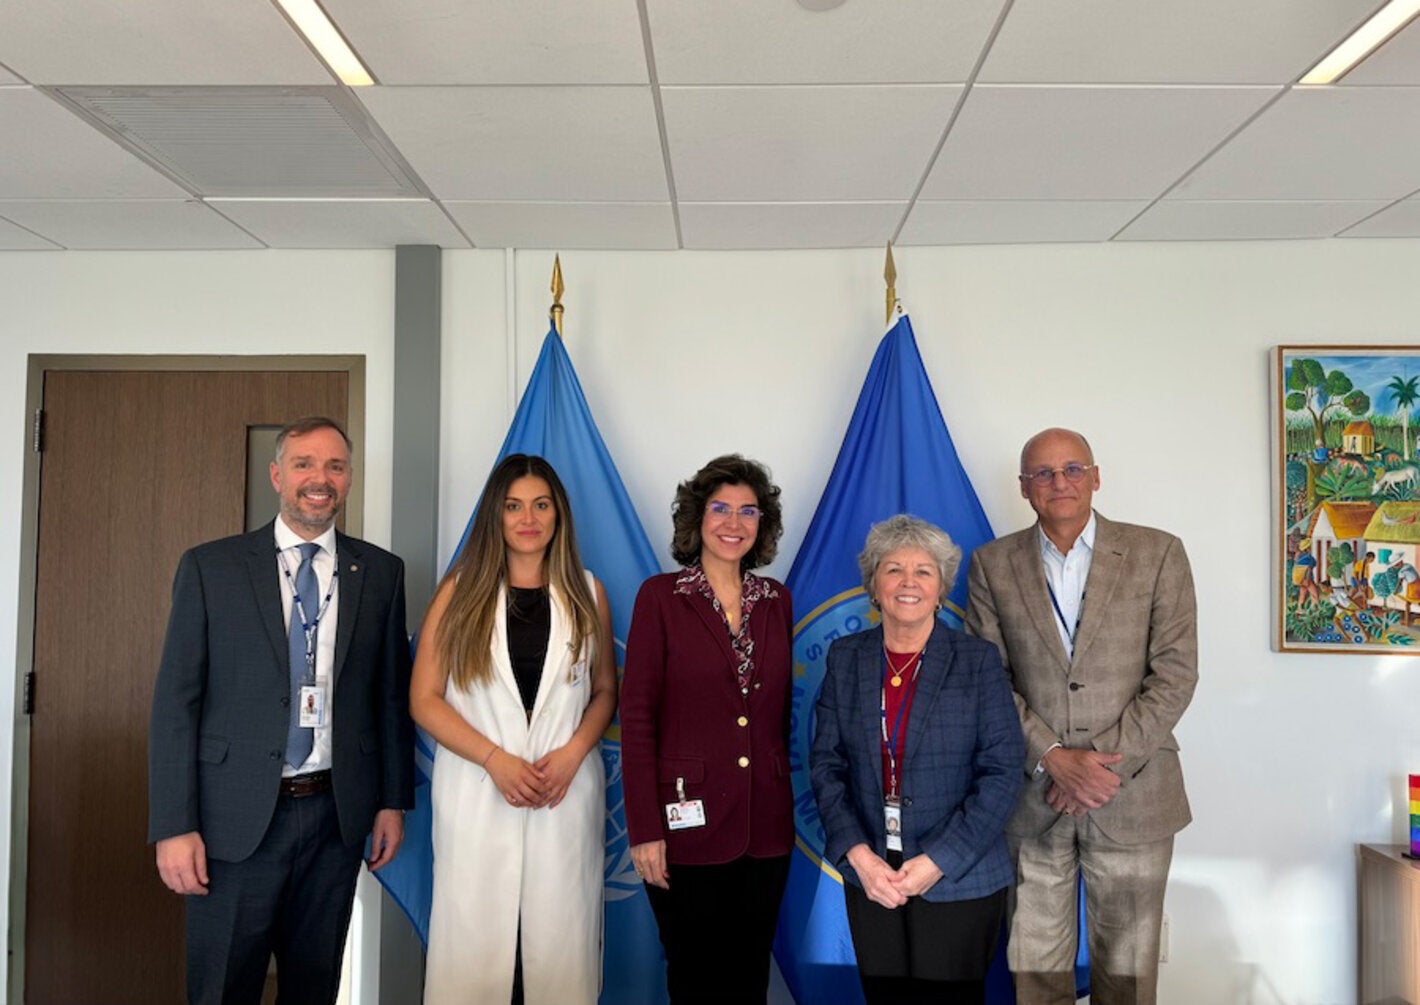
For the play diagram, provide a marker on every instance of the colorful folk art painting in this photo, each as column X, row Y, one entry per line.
column 1348, row 497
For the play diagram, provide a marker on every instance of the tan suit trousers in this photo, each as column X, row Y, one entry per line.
column 1124, row 905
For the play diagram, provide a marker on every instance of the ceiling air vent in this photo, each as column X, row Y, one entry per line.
column 271, row 142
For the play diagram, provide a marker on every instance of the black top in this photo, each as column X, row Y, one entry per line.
column 529, row 625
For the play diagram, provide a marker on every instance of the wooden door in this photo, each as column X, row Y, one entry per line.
column 137, row 467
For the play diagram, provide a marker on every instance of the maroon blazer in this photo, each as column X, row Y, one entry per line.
column 683, row 716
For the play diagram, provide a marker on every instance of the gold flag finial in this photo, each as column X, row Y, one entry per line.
column 890, row 277
column 557, row 290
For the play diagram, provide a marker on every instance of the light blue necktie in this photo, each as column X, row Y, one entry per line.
column 299, row 740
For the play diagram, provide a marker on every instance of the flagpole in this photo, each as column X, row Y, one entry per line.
column 555, row 312
column 890, row 277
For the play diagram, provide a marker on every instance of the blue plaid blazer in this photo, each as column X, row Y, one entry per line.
column 961, row 770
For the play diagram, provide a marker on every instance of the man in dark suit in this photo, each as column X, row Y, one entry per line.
column 273, row 754
column 1097, row 627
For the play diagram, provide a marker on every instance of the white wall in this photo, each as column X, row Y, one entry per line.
column 1158, row 353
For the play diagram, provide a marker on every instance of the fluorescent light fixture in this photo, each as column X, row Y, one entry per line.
column 1363, row 41
column 312, row 22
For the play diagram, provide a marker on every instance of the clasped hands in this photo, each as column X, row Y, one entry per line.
column 888, row 886
column 1080, row 780
column 533, row 785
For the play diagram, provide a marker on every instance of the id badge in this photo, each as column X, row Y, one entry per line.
column 685, row 814
column 892, row 817
column 312, row 708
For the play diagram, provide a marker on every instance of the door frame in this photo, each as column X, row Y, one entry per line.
column 39, row 364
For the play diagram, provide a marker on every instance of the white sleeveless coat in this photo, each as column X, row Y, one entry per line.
column 492, row 860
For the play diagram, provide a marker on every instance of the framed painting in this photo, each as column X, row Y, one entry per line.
column 1346, row 497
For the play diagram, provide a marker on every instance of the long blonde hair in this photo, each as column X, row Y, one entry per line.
column 465, row 634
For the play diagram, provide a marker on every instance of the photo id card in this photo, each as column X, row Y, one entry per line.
column 892, row 817
column 312, row 708
column 685, row 814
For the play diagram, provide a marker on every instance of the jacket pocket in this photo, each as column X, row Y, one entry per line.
column 212, row 749
column 691, row 769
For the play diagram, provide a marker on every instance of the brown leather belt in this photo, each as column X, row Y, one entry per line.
column 300, row 786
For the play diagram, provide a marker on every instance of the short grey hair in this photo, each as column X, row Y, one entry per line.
column 906, row 531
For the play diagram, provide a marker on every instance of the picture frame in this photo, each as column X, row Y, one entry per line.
column 1346, row 498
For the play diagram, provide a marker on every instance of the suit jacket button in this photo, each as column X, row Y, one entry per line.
column 286, row 701
column 907, row 800
column 742, row 721
column 1075, row 685
column 744, row 762
column 276, row 755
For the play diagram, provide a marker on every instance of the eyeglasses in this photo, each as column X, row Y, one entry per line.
column 724, row 509
column 1045, row 477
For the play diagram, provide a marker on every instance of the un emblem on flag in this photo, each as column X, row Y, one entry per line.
column 836, row 617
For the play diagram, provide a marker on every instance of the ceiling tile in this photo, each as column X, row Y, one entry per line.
column 154, row 42
column 370, row 223
column 64, row 158
column 1024, row 222
column 1197, row 42
column 496, row 41
column 810, row 144
column 1177, row 220
column 1320, row 144
column 17, row 238
column 615, row 225
column 719, row 225
column 1083, row 142
column 1396, row 62
column 754, row 42
column 114, row 225
column 575, row 144
column 1400, row 220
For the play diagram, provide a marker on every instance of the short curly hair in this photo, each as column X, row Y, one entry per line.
column 906, row 531
column 692, row 496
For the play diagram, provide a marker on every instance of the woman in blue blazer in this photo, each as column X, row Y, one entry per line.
column 916, row 767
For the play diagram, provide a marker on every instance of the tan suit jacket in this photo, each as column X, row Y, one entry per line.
column 1133, row 673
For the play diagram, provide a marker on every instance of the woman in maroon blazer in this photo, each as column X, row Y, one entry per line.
column 705, row 737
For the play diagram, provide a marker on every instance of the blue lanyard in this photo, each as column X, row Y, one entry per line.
column 890, row 741
column 308, row 628
column 1061, row 614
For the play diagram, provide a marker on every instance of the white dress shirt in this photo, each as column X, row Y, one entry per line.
column 288, row 547
column 1066, row 575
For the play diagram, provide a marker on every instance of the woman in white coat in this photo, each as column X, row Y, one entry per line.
column 516, row 680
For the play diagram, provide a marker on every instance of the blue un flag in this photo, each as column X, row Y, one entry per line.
column 554, row 421
column 897, row 457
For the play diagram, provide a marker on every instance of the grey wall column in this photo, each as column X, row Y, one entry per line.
column 414, row 535
column 418, row 315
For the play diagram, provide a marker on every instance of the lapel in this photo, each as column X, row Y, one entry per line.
column 714, row 623
column 1029, row 571
column 1106, row 567
column 266, row 588
column 869, row 670
column 349, row 562
column 554, row 661
column 937, row 663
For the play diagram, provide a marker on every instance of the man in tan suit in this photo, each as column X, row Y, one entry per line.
column 1096, row 623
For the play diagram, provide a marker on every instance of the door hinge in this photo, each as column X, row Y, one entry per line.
column 30, row 693
column 38, row 438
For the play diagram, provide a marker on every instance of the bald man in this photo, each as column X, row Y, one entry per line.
column 1097, row 627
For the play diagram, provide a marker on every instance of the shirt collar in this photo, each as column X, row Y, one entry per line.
column 1086, row 538
column 287, row 538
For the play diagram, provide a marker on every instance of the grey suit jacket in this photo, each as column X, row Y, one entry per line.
column 1133, row 673
column 221, row 705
